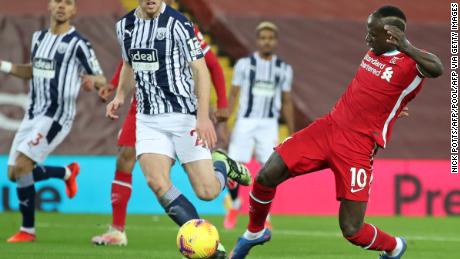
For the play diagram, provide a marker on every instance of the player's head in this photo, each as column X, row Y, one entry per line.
column 62, row 10
column 377, row 36
column 267, row 37
column 150, row 7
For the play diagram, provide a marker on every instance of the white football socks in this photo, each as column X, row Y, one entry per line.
column 28, row 230
column 68, row 173
column 398, row 248
column 251, row 236
column 236, row 204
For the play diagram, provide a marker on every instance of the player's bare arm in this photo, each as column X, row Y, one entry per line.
column 204, row 126
column 428, row 64
column 125, row 85
column 222, row 114
column 288, row 111
column 23, row 71
column 233, row 99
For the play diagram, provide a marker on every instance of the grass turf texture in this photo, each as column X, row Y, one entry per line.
column 68, row 236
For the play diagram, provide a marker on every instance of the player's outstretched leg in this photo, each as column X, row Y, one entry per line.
column 120, row 195
column 263, row 191
column 367, row 236
column 67, row 173
column 235, row 171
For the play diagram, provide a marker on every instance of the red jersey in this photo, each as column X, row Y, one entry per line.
column 379, row 91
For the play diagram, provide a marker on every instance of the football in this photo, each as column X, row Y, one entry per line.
column 197, row 238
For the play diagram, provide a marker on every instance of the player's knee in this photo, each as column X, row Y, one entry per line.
column 207, row 193
column 264, row 179
column 273, row 173
column 19, row 169
column 11, row 174
column 126, row 159
column 349, row 229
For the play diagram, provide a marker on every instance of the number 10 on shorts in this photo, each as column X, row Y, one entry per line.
column 358, row 179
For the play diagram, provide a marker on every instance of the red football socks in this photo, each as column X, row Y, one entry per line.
column 260, row 200
column 121, row 192
column 371, row 238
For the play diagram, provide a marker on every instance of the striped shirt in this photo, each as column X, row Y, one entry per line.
column 160, row 51
column 262, row 83
column 57, row 63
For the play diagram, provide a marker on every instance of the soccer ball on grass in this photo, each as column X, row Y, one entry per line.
column 197, row 238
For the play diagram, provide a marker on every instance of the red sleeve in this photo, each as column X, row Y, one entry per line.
column 116, row 76
column 218, row 79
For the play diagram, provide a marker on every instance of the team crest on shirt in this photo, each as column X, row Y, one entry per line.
column 62, row 47
column 161, row 33
column 394, row 60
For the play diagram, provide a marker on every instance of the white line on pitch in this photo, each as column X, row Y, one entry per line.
column 277, row 231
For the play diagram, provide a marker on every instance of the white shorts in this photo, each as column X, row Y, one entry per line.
column 261, row 134
column 37, row 138
column 170, row 134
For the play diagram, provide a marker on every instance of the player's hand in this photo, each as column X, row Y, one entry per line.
column 87, row 82
column 112, row 107
column 397, row 38
column 222, row 114
column 105, row 92
column 206, row 132
column 404, row 112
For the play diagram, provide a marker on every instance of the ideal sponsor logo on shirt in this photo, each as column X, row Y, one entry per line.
column 264, row 88
column 144, row 59
column 43, row 67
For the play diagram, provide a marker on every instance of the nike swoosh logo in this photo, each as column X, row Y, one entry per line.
column 356, row 190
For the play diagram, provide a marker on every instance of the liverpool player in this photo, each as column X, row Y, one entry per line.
column 346, row 140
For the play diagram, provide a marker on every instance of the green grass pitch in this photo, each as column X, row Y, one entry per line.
column 150, row 236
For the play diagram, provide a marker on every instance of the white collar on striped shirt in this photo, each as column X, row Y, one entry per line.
column 72, row 29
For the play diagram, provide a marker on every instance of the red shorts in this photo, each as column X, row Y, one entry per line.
column 127, row 134
column 323, row 144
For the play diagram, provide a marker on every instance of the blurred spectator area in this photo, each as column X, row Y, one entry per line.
column 324, row 41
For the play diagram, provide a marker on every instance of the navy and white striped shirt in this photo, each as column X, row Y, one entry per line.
column 262, row 83
column 159, row 51
column 57, row 63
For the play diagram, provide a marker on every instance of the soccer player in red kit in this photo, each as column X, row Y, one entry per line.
column 126, row 159
column 345, row 140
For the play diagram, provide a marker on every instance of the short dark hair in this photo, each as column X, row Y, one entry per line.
column 389, row 11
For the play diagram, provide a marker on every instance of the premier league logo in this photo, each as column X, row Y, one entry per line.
column 161, row 33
